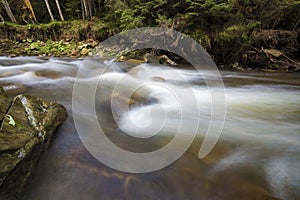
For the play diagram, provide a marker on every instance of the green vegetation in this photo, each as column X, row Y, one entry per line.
column 50, row 47
column 210, row 16
column 226, row 28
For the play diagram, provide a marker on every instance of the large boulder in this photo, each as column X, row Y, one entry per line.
column 27, row 126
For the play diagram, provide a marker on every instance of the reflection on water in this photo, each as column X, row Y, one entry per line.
column 257, row 156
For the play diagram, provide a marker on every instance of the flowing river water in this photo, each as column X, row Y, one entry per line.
column 256, row 157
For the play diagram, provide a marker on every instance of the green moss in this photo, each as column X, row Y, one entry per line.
column 21, row 148
column 55, row 30
column 50, row 48
column 52, row 39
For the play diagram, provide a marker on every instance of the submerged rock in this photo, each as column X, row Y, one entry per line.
column 14, row 89
column 27, row 126
column 48, row 74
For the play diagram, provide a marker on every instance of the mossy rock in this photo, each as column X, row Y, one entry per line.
column 23, row 141
column 4, row 103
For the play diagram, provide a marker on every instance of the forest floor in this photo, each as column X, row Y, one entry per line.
column 269, row 50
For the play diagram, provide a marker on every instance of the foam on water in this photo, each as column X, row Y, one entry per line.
column 283, row 176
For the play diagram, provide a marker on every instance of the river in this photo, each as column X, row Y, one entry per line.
column 256, row 156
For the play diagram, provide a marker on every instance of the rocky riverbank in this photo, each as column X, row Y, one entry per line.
column 60, row 39
column 27, row 126
column 265, row 50
column 49, row 48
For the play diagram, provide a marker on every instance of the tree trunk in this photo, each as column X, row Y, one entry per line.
column 59, row 10
column 1, row 17
column 82, row 10
column 29, row 6
column 49, row 10
column 90, row 9
column 85, row 9
column 8, row 11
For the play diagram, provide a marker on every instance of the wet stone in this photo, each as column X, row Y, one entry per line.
column 48, row 74
column 14, row 89
column 27, row 126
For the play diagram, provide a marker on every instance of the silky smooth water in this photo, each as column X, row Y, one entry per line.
column 256, row 157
